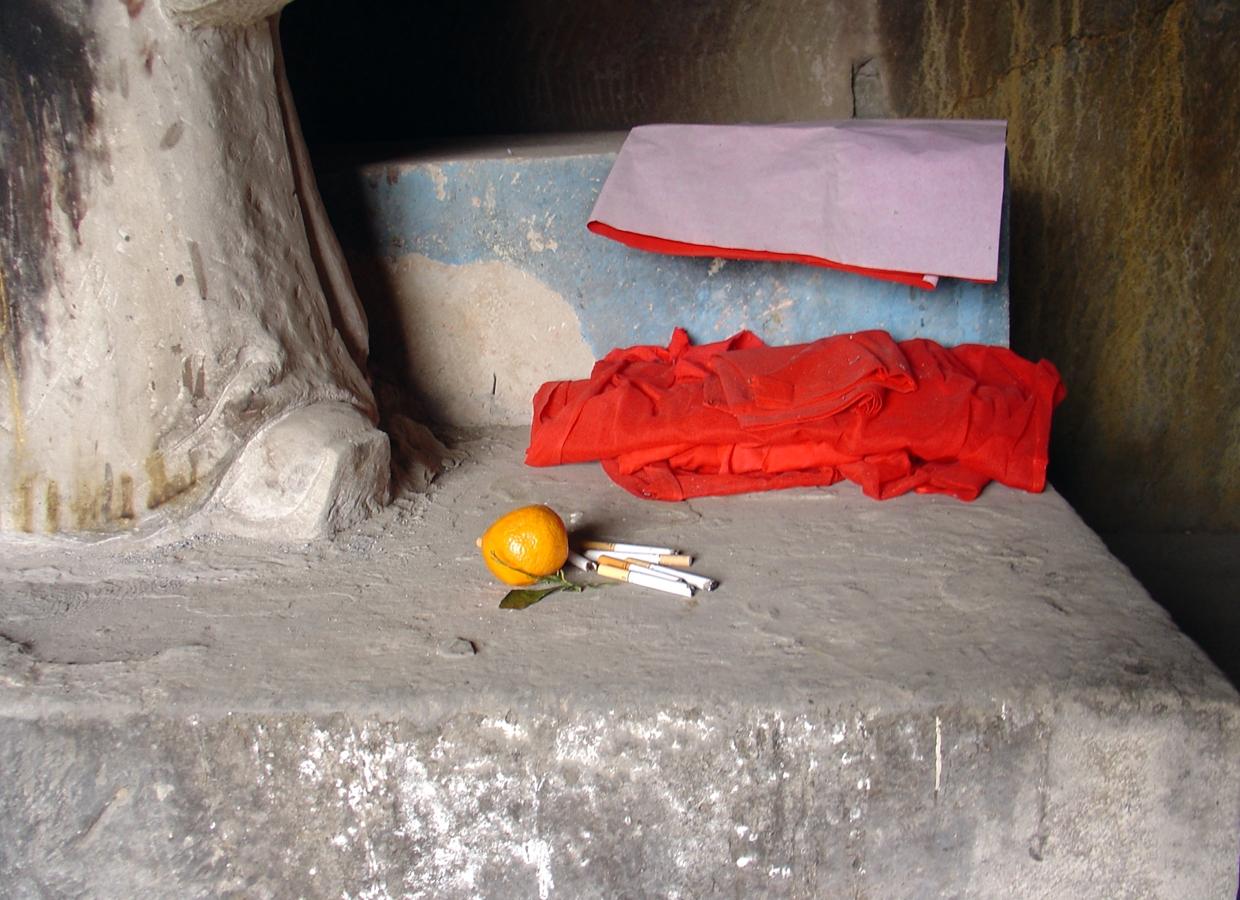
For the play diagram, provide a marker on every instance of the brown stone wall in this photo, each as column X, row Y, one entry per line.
column 1124, row 124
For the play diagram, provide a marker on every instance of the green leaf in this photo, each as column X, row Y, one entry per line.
column 524, row 597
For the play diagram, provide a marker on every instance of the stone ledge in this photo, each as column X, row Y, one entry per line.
column 913, row 698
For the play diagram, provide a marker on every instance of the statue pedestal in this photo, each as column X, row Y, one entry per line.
column 161, row 302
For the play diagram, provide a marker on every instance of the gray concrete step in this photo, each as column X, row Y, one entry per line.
column 916, row 698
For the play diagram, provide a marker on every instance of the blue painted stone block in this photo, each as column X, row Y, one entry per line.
column 526, row 201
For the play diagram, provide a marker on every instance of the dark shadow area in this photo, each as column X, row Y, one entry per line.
column 341, row 187
column 417, row 453
column 1196, row 578
column 1038, row 308
column 380, row 71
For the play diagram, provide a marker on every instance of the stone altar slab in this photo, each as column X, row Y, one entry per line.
column 914, row 698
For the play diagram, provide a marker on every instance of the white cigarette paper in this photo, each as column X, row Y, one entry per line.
column 645, row 579
column 662, row 559
column 632, row 565
column 627, row 548
column 586, row 565
column 701, row 582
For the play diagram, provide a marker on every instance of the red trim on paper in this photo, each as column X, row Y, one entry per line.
column 681, row 248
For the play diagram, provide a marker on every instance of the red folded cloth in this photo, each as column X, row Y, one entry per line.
column 737, row 416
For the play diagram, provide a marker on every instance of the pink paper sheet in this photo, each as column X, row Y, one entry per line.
column 914, row 196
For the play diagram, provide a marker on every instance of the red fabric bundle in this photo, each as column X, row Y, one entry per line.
column 738, row 416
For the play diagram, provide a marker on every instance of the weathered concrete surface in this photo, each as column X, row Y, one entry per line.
column 159, row 300
column 483, row 282
column 918, row 698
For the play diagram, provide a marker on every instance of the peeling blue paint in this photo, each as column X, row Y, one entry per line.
column 531, row 213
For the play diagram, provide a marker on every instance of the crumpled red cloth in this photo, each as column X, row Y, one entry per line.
column 737, row 416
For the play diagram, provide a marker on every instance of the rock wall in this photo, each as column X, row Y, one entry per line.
column 378, row 71
column 1123, row 120
column 1124, row 167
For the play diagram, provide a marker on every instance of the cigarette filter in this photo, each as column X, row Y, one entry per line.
column 701, row 582
column 646, row 579
column 634, row 565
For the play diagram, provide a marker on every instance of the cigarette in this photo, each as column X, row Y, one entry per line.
column 662, row 559
column 645, row 579
column 698, row 581
column 586, row 565
column 667, row 574
column 627, row 548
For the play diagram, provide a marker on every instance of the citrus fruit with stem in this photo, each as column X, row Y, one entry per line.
column 525, row 545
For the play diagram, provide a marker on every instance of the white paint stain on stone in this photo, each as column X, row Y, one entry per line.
column 537, row 853
column 537, row 243
column 440, row 179
column 580, row 743
column 511, row 730
column 938, row 756
column 465, row 814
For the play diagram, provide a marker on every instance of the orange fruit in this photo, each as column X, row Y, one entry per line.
column 525, row 545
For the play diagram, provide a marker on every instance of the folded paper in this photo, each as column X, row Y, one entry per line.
column 736, row 416
column 905, row 200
